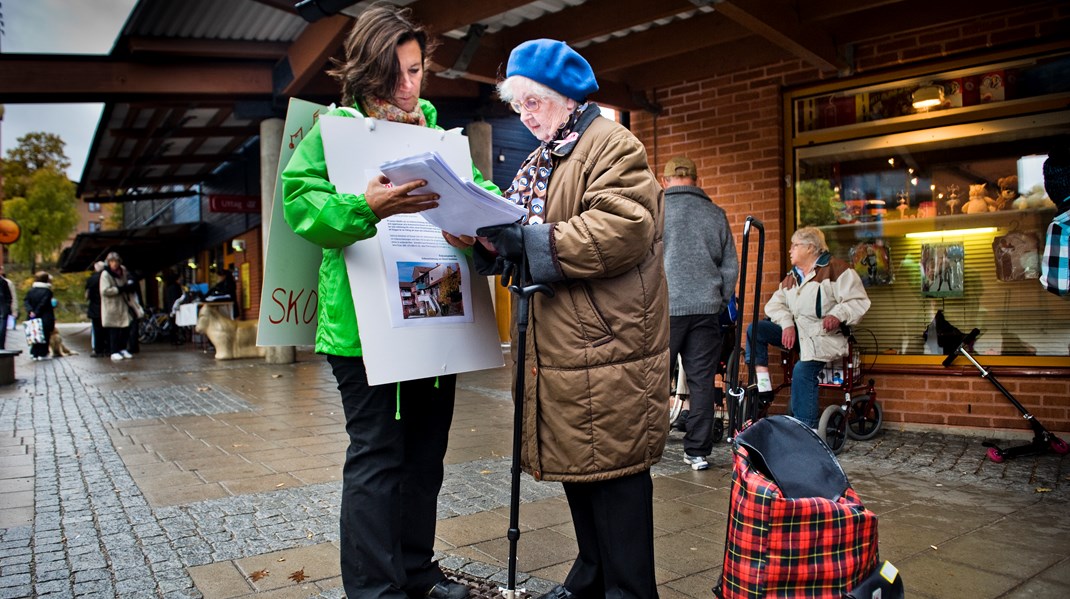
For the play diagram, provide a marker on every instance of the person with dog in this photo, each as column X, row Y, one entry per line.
column 38, row 303
column 596, row 399
column 702, row 268
column 398, row 432
column 819, row 294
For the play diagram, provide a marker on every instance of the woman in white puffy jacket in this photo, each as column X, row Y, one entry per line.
column 818, row 295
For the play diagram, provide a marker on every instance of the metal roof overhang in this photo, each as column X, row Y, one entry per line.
column 144, row 249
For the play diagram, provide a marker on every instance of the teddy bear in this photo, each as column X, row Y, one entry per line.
column 979, row 202
column 1008, row 192
column 1032, row 199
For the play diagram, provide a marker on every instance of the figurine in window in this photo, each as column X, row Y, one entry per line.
column 979, row 202
column 952, row 202
column 1008, row 192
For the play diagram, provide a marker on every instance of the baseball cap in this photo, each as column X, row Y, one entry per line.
column 681, row 167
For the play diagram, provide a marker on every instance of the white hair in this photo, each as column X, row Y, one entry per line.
column 512, row 87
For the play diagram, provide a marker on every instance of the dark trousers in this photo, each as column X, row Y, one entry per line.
column 4, row 313
column 614, row 524
column 100, row 339
column 117, row 337
column 697, row 340
column 40, row 350
column 390, row 481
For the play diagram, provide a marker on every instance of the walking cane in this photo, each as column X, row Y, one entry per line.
column 515, row 283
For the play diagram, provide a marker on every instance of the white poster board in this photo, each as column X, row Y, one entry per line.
column 428, row 345
column 289, row 295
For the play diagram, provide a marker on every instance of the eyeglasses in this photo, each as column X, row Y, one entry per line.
column 530, row 104
column 797, row 244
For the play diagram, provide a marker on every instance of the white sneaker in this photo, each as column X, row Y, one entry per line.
column 116, row 357
column 126, row 354
column 697, row 462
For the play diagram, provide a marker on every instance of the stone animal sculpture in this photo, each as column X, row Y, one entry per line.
column 231, row 338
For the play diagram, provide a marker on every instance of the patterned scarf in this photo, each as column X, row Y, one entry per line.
column 377, row 108
column 529, row 187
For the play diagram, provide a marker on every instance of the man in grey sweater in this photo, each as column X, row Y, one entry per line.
column 702, row 267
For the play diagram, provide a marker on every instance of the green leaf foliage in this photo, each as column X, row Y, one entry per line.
column 46, row 215
column 35, row 151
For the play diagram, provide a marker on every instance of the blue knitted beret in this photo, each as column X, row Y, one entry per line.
column 555, row 65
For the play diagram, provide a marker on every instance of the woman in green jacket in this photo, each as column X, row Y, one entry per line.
column 398, row 432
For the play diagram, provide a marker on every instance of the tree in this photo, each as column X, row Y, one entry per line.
column 35, row 151
column 46, row 215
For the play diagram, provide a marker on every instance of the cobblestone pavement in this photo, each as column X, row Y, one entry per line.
column 79, row 516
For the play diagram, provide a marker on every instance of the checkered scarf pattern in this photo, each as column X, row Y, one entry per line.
column 811, row 548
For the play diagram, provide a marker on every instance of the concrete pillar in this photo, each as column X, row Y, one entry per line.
column 270, row 142
column 481, row 145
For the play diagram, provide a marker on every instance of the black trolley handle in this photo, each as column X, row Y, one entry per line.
column 734, row 390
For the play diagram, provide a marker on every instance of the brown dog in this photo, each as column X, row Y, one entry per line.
column 56, row 346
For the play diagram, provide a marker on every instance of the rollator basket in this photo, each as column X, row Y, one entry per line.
column 795, row 526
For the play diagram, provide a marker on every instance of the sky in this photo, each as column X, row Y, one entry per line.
column 58, row 27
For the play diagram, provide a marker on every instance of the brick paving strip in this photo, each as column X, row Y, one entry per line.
column 95, row 533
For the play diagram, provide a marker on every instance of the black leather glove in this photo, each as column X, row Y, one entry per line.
column 507, row 239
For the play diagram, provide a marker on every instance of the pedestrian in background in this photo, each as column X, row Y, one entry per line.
column 38, row 303
column 116, row 306
column 99, row 339
column 9, row 305
column 702, row 268
column 596, row 401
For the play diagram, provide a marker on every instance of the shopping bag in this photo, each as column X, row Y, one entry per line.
column 35, row 331
column 789, row 536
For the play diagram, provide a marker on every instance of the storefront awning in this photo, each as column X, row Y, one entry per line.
column 144, row 249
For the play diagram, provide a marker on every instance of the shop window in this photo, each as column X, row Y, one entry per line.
column 940, row 209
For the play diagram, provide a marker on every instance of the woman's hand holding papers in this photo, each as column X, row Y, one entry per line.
column 461, row 242
column 386, row 200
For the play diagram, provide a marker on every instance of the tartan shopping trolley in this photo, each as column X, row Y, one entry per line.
column 796, row 528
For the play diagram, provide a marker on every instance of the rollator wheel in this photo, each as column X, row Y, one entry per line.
column 1059, row 446
column 864, row 418
column 833, row 428
column 718, row 429
column 995, row 455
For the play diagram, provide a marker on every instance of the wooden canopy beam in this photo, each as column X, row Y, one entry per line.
column 33, row 78
column 777, row 22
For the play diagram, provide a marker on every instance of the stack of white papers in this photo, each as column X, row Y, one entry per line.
column 463, row 206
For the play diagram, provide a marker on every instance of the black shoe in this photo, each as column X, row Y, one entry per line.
column 558, row 592
column 448, row 589
column 680, row 424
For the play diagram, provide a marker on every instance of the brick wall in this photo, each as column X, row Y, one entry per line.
column 732, row 127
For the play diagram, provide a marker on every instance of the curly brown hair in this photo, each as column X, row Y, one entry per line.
column 371, row 64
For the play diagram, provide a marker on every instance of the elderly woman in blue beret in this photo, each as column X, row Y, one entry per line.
column 596, row 371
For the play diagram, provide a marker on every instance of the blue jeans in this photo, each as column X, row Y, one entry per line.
column 804, row 381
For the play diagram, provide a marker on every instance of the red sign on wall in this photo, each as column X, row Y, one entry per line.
column 230, row 203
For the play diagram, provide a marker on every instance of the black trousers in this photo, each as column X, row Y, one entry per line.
column 697, row 340
column 390, row 481
column 614, row 523
column 40, row 350
column 100, row 339
column 4, row 313
column 117, row 338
